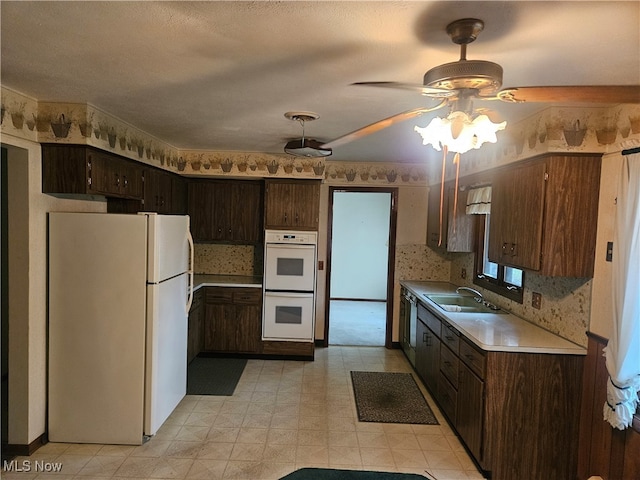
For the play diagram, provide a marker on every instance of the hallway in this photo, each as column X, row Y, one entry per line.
column 357, row 323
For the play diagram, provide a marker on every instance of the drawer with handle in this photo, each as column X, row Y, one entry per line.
column 473, row 358
column 247, row 296
column 429, row 319
column 448, row 397
column 449, row 365
column 450, row 336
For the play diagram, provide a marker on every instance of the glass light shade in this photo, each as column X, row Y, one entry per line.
column 459, row 132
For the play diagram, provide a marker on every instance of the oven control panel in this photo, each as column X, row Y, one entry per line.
column 284, row 236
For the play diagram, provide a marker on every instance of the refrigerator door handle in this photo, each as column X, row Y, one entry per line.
column 190, row 300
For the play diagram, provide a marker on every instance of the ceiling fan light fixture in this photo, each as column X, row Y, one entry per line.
column 305, row 147
column 459, row 132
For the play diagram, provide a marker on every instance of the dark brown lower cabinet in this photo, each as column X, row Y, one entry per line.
column 194, row 338
column 470, row 414
column 427, row 354
column 228, row 320
column 233, row 320
column 516, row 413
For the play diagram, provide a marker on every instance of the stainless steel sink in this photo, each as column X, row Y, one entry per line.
column 462, row 304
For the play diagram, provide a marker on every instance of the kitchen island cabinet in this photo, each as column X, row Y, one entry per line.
column 292, row 204
column 509, row 389
column 542, row 214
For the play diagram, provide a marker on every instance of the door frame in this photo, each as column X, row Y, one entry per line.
column 393, row 220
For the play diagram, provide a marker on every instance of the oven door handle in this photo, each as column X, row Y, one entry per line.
column 289, row 294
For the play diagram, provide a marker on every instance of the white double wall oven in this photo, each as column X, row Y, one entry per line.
column 290, row 260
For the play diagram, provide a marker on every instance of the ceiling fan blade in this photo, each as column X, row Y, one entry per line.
column 414, row 87
column 380, row 125
column 573, row 94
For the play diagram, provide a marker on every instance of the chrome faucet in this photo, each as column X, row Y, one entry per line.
column 478, row 296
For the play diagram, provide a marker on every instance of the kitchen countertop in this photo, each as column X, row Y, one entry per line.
column 499, row 332
column 205, row 280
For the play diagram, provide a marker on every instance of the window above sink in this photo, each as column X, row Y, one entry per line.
column 500, row 279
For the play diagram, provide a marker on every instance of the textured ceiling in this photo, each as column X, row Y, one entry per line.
column 221, row 75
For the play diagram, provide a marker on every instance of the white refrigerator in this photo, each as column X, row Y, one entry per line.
column 119, row 296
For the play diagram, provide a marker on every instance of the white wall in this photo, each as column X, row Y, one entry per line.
column 359, row 252
column 28, row 208
column 601, row 321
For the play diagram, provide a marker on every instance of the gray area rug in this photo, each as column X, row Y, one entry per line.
column 333, row 474
column 214, row 376
column 388, row 397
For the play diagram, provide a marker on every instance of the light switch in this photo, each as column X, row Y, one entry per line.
column 320, row 265
column 609, row 251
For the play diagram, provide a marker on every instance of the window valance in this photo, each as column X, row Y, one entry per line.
column 479, row 201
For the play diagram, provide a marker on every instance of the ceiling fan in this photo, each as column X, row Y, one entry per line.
column 458, row 84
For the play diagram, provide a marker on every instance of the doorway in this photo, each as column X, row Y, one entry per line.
column 360, row 264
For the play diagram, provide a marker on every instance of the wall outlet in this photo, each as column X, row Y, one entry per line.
column 320, row 265
column 536, row 300
column 463, row 273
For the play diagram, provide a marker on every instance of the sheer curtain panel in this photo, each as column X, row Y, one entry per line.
column 623, row 350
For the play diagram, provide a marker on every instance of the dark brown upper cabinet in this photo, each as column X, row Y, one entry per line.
column 83, row 170
column 456, row 231
column 225, row 211
column 544, row 213
column 292, row 204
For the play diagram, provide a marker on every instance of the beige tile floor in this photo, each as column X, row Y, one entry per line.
column 284, row 415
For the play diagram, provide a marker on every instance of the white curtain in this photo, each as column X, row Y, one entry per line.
column 479, row 201
column 623, row 350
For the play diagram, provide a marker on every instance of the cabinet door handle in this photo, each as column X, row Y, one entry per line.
column 504, row 248
column 514, row 249
column 285, row 218
column 449, row 338
column 126, row 182
column 117, row 180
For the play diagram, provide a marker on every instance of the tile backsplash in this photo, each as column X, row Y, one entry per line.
column 566, row 302
column 419, row 262
column 222, row 259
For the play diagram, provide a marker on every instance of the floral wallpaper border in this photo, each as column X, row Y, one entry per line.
column 579, row 129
